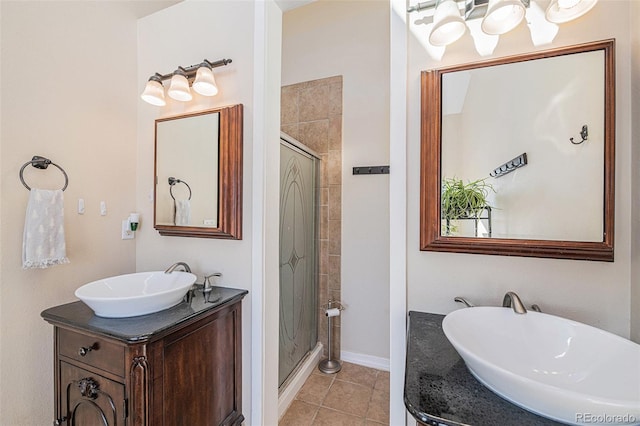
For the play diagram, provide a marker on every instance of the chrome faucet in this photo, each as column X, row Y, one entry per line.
column 511, row 300
column 173, row 267
column 207, row 287
column 464, row 301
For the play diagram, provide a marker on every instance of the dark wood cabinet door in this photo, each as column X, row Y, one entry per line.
column 88, row 399
column 202, row 374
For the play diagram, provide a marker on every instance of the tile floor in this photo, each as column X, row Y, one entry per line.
column 356, row 395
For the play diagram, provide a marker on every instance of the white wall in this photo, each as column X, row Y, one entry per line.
column 69, row 92
column 635, row 156
column 324, row 39
column 593, row 292
column 185, row 34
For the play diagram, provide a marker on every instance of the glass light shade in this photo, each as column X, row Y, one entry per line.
column 179, row 88
column 561, row 11
column 154, row 93
column 502, row 16
column 205, row 83
column 448, row 24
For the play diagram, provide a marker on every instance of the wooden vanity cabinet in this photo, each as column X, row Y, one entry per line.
column 186, row 373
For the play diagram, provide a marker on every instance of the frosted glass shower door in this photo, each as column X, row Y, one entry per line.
column 298, row 254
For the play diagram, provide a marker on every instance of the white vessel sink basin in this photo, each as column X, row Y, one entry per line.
column 557, row 368
column 135, row 294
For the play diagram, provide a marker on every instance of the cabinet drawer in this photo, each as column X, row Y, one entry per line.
column 91, row 350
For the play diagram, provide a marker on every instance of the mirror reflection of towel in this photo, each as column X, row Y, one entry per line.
column 183, row 212
column 43, row 243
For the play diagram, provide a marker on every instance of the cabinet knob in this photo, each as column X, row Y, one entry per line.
column 83, row 351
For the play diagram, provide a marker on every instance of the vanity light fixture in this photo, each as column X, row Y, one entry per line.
column 498, row 16
column 200, row 76
column 561, row 11
column 179, row 87
column 502, row 16
column 448, row 24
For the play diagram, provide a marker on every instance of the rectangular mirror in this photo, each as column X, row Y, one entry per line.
column 517, row 155
column 198, row 174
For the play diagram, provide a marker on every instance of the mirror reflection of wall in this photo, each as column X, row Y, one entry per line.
column 494, row 114
column 187, row 150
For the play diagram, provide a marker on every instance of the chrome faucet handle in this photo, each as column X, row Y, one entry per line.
column 206, row 285
column 464, row 301
column 536, row 308
column 511, row 300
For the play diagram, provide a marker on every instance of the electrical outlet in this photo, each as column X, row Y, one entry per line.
column 127, row 233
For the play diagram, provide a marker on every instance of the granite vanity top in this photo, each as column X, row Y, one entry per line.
column 141, row 328
column 439, row 390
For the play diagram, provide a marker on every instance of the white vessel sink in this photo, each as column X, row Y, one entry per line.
column 135, row 294
column 557, row 368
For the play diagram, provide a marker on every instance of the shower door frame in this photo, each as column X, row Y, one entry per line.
column 303, row 150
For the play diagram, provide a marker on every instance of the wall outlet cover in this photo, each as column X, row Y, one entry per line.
column 127, row 233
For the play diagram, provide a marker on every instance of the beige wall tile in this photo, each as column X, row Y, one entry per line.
column 291, row 130
column 314, row 103
column 335, row 202
column 335, row 98
column 324, row 255
column 289, row 105
column 324, row 170
column 335, row 132
column 324, row 196
column 335, row 167
column 335, row 229
column 315, row 135
column 323, row 231
column 333, row 272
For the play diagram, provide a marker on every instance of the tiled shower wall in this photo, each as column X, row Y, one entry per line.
column 311, row 112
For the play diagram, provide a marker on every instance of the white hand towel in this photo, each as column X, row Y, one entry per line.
column 43, row 242
column 183, row 212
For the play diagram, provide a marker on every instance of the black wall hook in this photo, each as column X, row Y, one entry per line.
column 584, row 134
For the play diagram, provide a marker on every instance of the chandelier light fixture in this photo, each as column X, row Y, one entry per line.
column 199, row 77
column 498, row 16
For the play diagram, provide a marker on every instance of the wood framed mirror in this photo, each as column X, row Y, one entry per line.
column 198, row 174
column 536, row 132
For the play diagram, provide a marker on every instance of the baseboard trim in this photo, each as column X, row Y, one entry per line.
column 366, row 360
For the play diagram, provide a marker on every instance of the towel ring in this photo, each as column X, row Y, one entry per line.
column 42, row 163
column 173, row 181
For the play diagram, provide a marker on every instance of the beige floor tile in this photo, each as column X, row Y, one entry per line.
column 326, row 417
column 299, row 413
column 355, row 396
column 382, row 381
column 358, row 374
column 379, row 406
column 315, row 389
column 348, row 397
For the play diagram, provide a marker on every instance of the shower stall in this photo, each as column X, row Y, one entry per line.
column 298, row 258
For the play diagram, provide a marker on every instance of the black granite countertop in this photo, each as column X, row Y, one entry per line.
column 440, row 390
column 141, row 328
